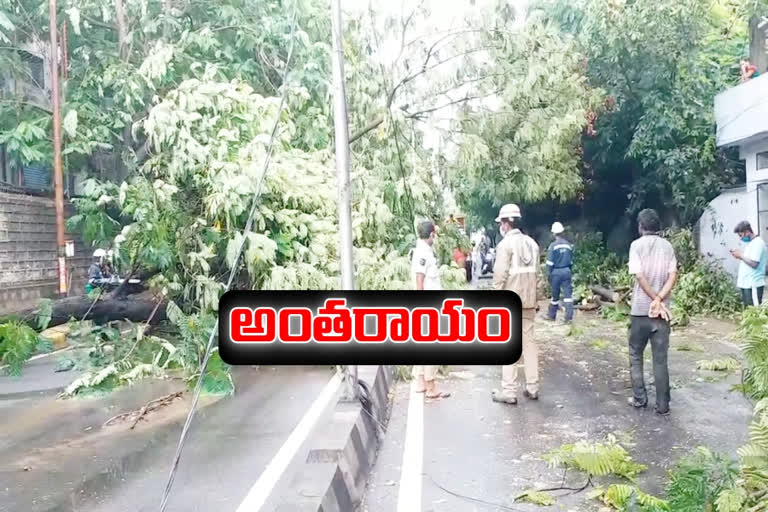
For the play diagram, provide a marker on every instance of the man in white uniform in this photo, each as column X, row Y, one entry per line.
column 426, row 276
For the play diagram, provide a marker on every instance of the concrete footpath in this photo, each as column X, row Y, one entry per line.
column 467, row 453
column 38, row 378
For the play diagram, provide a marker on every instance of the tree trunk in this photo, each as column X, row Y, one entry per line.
column 136, row 308
column 607, row 294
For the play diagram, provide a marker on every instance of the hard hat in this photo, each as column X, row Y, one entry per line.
column 557, row 228
column 99, row 253
column 509, row 211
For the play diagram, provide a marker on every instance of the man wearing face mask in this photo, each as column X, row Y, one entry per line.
column 751, row 278
column 426, row 276
column 517, row 269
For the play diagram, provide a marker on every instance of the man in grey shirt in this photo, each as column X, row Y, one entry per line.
column 653, row 263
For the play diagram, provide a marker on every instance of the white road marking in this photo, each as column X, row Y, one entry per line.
column 409, row 497
column 261, row 490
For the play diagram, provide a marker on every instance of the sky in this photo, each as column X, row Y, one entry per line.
column 445, row 15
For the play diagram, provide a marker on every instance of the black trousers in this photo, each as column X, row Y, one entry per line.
column 655, row 330
column 747, row 295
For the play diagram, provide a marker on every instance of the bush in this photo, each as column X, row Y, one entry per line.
column 593, row 264
column 18, row 342
column 704, row 289
column 697, row 481
column 450, row 236
column 683, row 242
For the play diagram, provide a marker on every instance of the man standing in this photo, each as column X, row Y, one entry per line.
column 516, row 269
column 751, row 278
column 559, row 262
column 653, row 263
column 426, row 276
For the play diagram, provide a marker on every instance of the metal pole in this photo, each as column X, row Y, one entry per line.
column 58, row 180
column 341, row 130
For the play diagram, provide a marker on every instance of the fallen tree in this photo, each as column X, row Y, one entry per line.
column 135, row 307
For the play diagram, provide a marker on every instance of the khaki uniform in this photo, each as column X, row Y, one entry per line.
column 424, row 262
column 516, row 269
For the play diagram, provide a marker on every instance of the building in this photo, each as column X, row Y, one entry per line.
column 741, row 113
column 29, row 83
column 28, row 249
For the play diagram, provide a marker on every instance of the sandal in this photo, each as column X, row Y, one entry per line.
column 437, row 396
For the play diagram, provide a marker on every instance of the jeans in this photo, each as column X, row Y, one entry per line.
column 641, row 331
column 561, row 278
column 748, row 296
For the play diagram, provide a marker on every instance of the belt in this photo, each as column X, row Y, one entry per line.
column 561, row 268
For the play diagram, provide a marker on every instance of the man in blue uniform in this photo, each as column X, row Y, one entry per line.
column 559, row 262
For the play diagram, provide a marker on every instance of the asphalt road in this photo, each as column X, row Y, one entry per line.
column 467, row 453
column 56, row 457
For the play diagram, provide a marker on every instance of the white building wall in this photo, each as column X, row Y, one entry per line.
column 741, row 112
column 716, row 237
column 757, row 205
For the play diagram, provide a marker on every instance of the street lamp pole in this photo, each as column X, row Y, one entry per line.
column 341, row 130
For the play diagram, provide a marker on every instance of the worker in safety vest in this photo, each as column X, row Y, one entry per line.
column 559, row 263
column 516, row 269
column 426, row 276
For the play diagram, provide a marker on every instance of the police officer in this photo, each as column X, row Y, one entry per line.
column 517, row 269
column 426, row 276
column 559, row 263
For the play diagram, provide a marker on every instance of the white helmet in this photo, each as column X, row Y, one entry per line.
column 557, row 228
column 509, row 211
column 99, row 253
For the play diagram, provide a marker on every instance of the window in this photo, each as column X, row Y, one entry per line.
column 762, row 160
column 36, row 67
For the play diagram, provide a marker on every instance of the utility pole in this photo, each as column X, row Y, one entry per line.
column 58, row 179
column 341, row 130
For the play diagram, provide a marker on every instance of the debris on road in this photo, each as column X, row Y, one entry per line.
column 138, row 414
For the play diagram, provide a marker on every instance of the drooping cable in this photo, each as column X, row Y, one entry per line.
column 233, row 274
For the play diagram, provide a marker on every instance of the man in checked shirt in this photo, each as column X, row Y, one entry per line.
column 653, row 263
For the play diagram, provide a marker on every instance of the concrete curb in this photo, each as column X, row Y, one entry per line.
column 343, row 451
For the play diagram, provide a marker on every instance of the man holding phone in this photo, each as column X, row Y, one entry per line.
column 751, row 278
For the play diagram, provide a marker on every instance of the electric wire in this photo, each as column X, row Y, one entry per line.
column 233, row 273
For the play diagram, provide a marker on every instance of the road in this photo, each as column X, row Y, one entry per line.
column 66, row 462
column 467, row 453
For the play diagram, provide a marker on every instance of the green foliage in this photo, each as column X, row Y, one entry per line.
column 18, row 342
column 708, row 481
column 450, row 237
column 718, row 365
column 661, row 63
column 629, row 498
column 44, row 311
column 530, row 148
column 615, row 312
column 593, row 264
column 539, row 498
column 96, row 219
column 596, row 459
column 452, row 278
column 705, row 289
column 684, row 244
column 696, row 482
column 113, row 357
column 754, row 333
